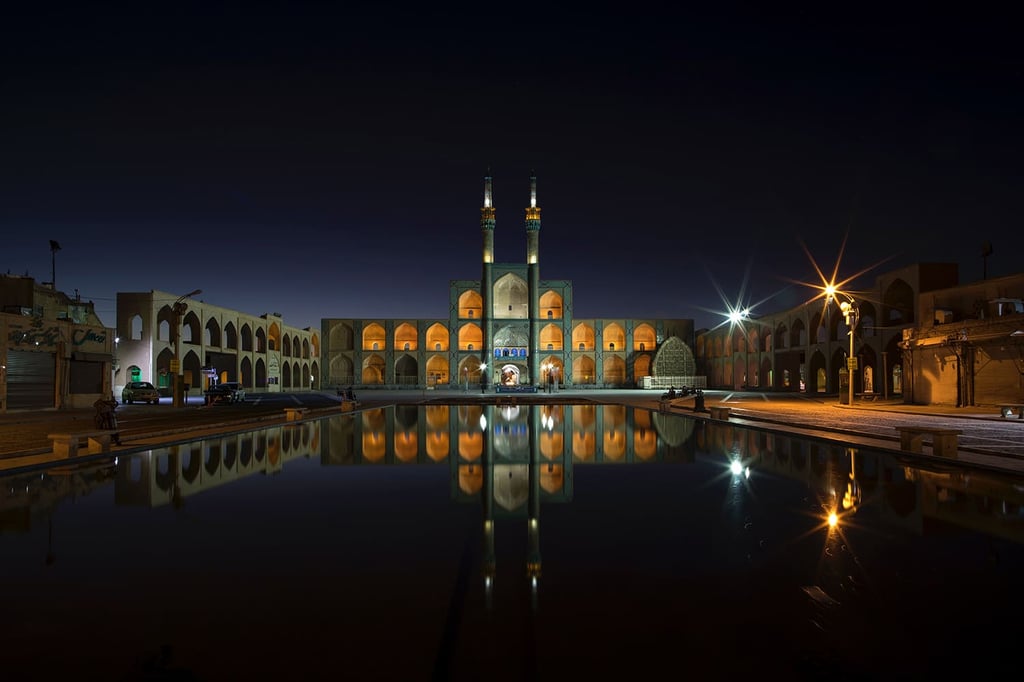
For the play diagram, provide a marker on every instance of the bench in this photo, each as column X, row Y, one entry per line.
column 1008, row 409
column 67, row 444
column 294, row 414
column 944, row 441
column 719, row 412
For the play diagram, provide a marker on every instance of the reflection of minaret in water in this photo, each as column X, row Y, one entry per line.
column 487, row 463
column 533, row 508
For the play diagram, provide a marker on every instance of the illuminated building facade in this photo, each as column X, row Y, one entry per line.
column 217, row 345
column 509, row 329
column 919, row 335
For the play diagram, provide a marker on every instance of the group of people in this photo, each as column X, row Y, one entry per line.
column 347, row 394
column 106, row 417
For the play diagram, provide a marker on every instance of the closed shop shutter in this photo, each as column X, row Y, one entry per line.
column 30, row 380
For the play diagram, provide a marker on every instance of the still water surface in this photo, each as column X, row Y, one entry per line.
column 502, row 542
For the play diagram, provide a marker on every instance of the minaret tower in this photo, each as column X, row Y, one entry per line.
column 533, row 275
column 487, row 277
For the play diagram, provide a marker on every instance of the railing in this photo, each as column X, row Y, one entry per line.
column 660, row 382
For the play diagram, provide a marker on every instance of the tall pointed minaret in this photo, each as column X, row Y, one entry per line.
column 487, row 277
column 533, row 277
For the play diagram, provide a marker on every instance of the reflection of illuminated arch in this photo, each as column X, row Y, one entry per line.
column 550, row 306
column 471, row 305
column 511, row 485
column 552, row 477
column 471, row 445
column 583, row 337
column 584, row 440
column 374, row 433
column 374, row 337
column 613, row 420
column 471, row 478
column 551, row 444
column 471, row 337
column 406, row 445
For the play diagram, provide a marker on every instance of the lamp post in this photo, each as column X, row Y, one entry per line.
column 850, row 314
column 179, row 309
column 483, row 377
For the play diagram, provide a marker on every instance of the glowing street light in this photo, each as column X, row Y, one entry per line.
column 179, row 308
column 483, row 377
column 850, row 313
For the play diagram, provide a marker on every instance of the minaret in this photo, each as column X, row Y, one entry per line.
column 533, row 277
column 487, row 277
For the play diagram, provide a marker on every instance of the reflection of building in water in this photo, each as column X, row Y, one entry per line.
column 585, row 433
column 848, row 478
column 170, row 475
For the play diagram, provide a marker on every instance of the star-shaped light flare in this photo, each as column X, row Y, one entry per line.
column 831, row 288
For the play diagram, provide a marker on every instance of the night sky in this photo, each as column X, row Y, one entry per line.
column 323, row 160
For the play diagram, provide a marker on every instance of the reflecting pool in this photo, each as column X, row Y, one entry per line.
column 509, row 542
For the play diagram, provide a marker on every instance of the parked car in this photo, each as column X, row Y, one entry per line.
column 238, row 391
column 226, row 392
column 141, row 392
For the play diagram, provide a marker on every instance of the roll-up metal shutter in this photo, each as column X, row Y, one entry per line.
column 30, row 379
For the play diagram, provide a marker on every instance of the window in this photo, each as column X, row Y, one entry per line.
column 437, row 346
column 376, row 346
column 551, row 346
column 406, row 347
column 611, row 346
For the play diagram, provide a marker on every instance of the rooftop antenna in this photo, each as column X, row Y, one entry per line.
column 54, row 248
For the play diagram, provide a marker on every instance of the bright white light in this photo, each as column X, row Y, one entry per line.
column 483, row 422
column 736, row 467
column 833, row 520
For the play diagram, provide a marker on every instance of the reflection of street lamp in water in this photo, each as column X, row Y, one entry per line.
column 179, row 309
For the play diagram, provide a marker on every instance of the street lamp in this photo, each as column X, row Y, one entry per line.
column 179, row 309
column 483, row 377
column 850, row 314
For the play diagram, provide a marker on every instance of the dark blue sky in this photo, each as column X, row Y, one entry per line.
column 320, row 161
